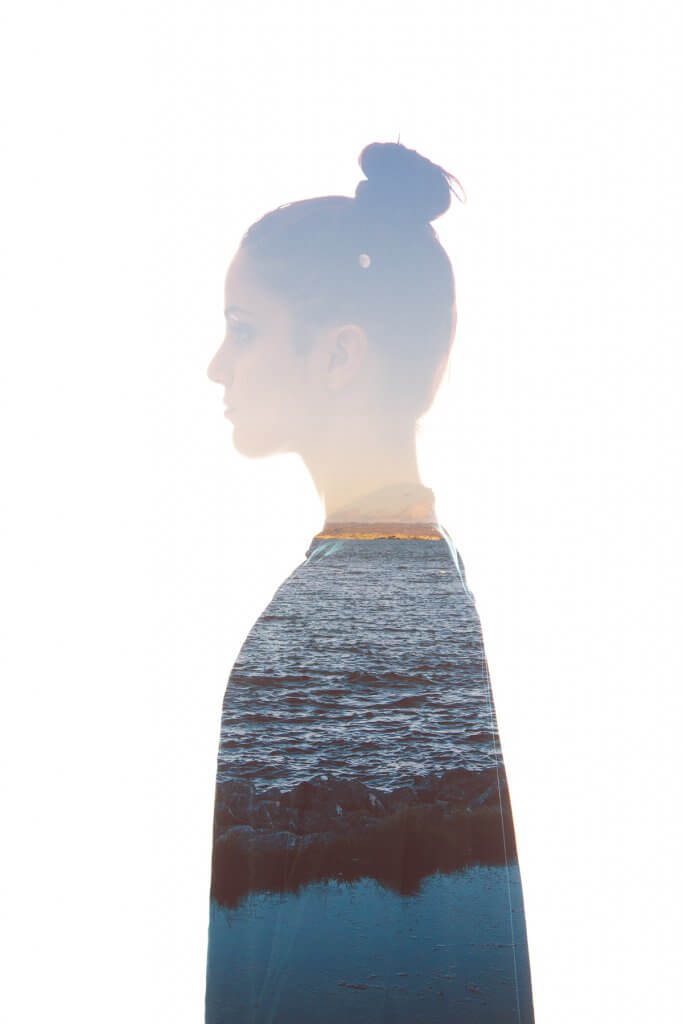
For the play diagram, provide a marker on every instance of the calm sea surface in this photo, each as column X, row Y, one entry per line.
column 359, row 953
column 367, row 664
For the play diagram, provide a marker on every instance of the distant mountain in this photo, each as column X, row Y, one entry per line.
column 404, row 511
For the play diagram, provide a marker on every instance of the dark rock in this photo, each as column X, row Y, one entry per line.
column 328, row 805
column 487, row 798
column 242, row 833
column 265, row 814
column 375, row 798
column 402, row 797
column 349, row 795
column 302, row 796
column 235, row 801
column 270, row 841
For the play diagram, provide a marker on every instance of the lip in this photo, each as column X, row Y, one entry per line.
column 229, row 410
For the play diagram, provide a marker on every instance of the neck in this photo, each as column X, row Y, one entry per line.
column 360, row 457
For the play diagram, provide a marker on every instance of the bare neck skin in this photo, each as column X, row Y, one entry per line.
column 355, row 456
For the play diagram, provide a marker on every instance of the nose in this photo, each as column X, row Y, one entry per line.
column 218, row 369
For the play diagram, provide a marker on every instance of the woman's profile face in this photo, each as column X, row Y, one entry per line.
column 267, row 384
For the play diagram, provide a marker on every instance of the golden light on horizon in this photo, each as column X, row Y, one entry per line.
column 379, row 531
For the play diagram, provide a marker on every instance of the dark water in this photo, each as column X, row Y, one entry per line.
column 358, row 953
column 367, row 664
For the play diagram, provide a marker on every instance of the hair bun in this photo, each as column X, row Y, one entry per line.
column 402, row 184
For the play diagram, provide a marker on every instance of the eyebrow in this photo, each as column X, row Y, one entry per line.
column 236, row 309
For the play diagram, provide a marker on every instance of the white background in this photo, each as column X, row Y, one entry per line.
column 140, row 140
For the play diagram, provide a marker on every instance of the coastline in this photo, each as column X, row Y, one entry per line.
column 337, row 829
column 378, row 531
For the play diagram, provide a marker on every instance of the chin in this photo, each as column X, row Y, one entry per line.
column 254, row 444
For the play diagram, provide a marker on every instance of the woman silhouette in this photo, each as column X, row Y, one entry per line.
column 364, row 864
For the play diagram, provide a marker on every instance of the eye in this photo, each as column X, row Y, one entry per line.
column 238, row 330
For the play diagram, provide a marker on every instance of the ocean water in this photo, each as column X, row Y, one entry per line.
column 344, row 953
column 368, row 664
column 364, row 865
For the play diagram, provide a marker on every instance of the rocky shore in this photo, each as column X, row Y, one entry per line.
column 330, row 828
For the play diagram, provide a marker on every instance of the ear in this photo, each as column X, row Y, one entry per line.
column 344, row 355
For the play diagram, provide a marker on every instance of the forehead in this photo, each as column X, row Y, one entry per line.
column 244, row 291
